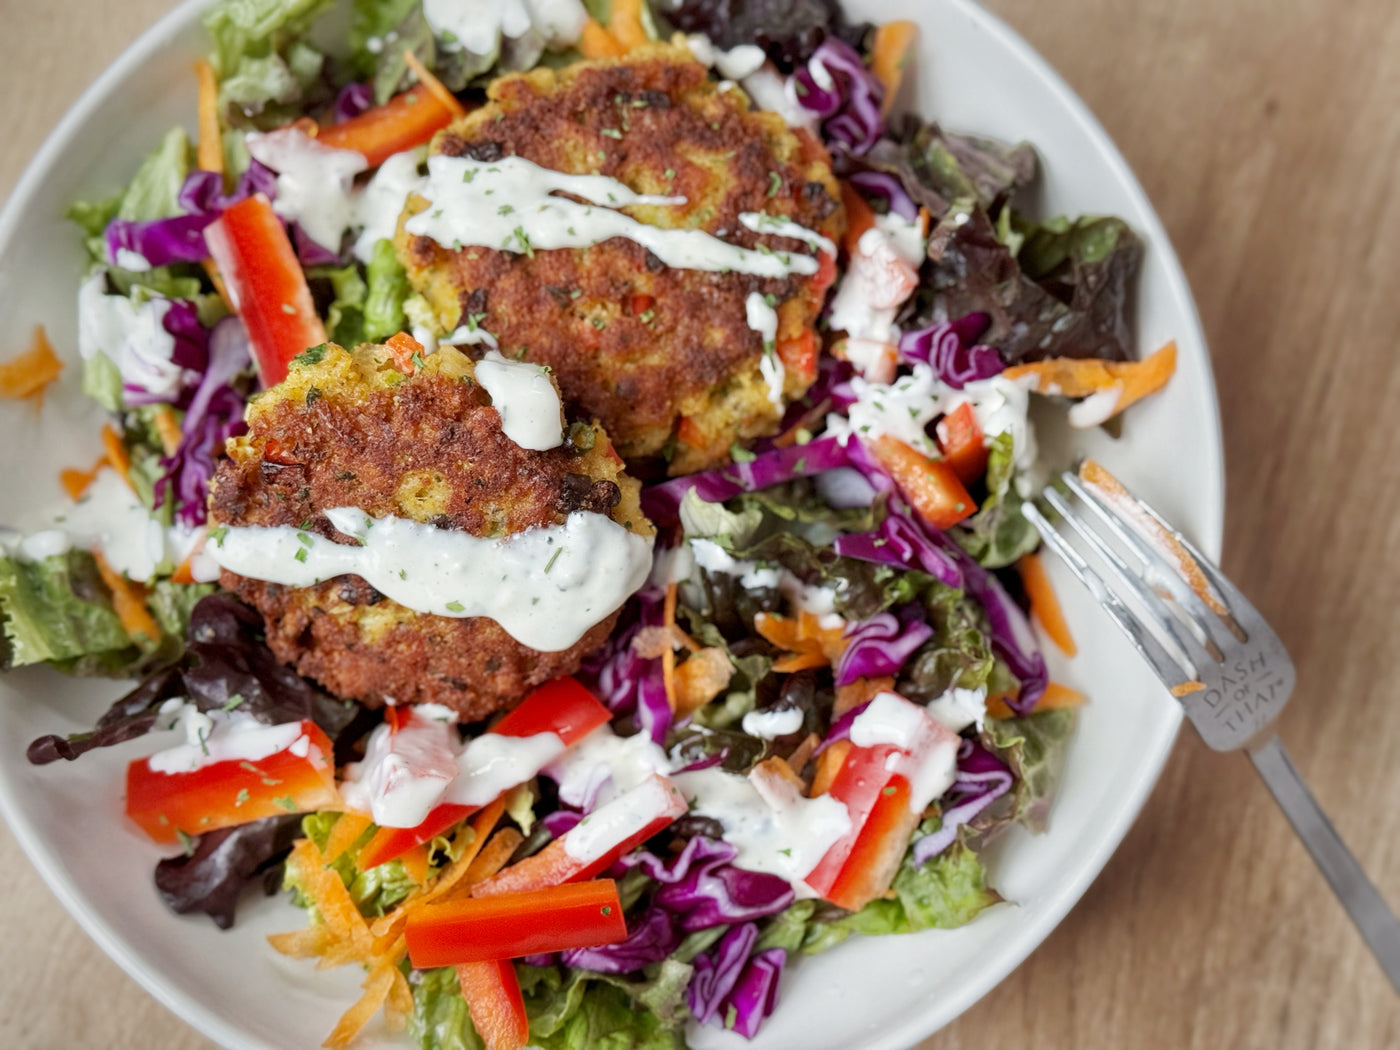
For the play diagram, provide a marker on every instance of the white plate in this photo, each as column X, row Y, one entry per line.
column 973, row 74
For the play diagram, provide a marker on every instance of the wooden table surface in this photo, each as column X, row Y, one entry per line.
column 1266, row 133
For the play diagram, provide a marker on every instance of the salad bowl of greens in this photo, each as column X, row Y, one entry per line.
column 960, row 931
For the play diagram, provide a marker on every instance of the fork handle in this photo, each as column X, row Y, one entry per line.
column 1339, row 867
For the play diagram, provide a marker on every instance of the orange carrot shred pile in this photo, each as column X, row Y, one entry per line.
column 1045, row 607
column 27, row 374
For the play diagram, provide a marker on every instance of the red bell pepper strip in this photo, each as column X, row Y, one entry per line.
column 494, row 1001
column 563, row 707
column 596, row 842
column 930, row 485
column 962, row 443
column 265, row 284
column 506, row 926
column 407, row 120
column 873, row 783
column 224, row 794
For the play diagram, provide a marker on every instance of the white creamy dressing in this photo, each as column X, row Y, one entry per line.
column 524, row 395
column 768, row 89
column 379, row 204
column 773, row 723
column 763, row 319
column 878, row 280
column 603, row 765
column 492, row 764
column 1096, row 409
column 546, row 586
column 315, row 182
column 510, row 205
column 131, row 335
column 624, row 816
column 734, row 64
column 477, row 26
column 224, row 736
column 781, row 226
column 404, row 773
column 711, row 557
column 782, row 834
column 958, row 708
column 130, row 259
column 929, row 755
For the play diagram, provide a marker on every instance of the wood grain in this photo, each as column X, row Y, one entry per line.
column 1265, row 132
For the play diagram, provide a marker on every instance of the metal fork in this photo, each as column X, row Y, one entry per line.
column 1213, row 651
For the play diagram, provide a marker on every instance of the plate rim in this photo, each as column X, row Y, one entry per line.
column 1057, row 903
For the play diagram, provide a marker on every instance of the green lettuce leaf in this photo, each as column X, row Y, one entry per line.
column 58, row 609
column 375, row 891
column 102, row 381
column 998, row 534
column 949, row 891
column 345, row 318
column 958, row 654
column 440, row 1020
column 387, row 290
column 587, row 1011
column 154, row 191
column 1034, row 747
column 373, row 20
column 267, row 72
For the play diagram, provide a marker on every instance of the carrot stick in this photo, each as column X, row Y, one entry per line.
column 116, row 452
column 75, row 482
column 625, row 24
column 829, row 763
column 889, row 53
column 1069, row 377
column 597, row 42
column 668, row 655
column 27, row 374
column 346, row 832
column 1045, row 606
column 128, row 602
column 168, row 427
column 435, row 86
column 210, row 153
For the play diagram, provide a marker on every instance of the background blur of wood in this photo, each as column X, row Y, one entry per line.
column 1266, row 134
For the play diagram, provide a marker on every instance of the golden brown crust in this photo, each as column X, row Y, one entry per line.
column 350, row 430
column 634, row 343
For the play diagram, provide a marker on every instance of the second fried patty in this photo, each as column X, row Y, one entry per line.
column 350, row 430
column 663, row 357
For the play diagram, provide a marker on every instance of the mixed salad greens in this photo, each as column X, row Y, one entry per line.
column 853, row 566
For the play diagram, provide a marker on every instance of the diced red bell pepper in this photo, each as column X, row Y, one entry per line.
column 800, row 354
column 962, row 443
column 507, row 926
column 877, row 794
column 265, row 285
column 492, row 992
column 930, row 485
column 407, row 120
column 609, row 832
column 563, row 707
column 227, row 793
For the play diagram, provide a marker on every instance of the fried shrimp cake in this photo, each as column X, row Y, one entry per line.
column 673, row 360
column 351, row 430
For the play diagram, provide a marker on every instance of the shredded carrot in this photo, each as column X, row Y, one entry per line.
column 597, row 42
column 345, row 833
column 1070, row 377
column 399, row 1006
column 701, row 678
column 859, row 217
column 1055, row 698
column 402, row 349
column 75, row 482
column 323, row 885
column 415, row 863
column 27, row 374
column 811, row 644
column 217, row 280
column 116, row 452
column 1187, row 688
column 668, row 655
column 1045, row 606
column 852, row 695
column 433, row 84
column 889, row 53
column 778, row 770
column 168, row 428
column 184, row 573
column 493, row 857
column 303, row 944
column 800, row 757
column 625, row 24
column 128, row 602
column 829, row 763
column 210, row 154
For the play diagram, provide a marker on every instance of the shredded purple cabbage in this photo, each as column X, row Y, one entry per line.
column 561, row 821
column 626, row 682
column 950, row 349
column 1011, row 636
column 702, row 889
column 841, row 728
column 191, row 353
column 354, row 99
column 882, row 184
column 982, row 778
column 718, row 971
column 213, row 415
column 755, row 994
column 881, row 645
column 902, row 541
column 653, row 936
column 180, row 238
column 836, row 87
column 312, row 253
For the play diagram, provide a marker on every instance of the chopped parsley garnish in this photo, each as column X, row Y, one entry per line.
column 300, row 555
column 670, row 173
column 553, row 558
column 612, row 133
column 505, row 209
column 304, row 539
column 647, row 316
column 468, row 175
column 288, row 803
column 739, row 454
column 599, row 323
column 775, row 183
column 217, row 534
column 242, row 797
column 523, row 239
column 232, row 702
column 186, row 842
column 455, row 606
column 770, row 300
